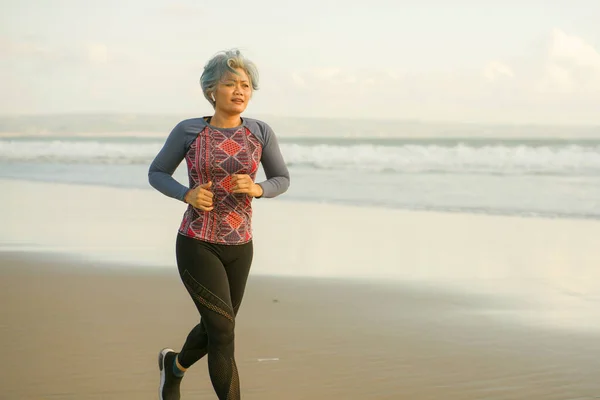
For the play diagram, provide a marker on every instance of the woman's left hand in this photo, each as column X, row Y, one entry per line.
column 244, row 184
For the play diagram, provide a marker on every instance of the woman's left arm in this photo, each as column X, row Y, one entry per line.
column 276, row 171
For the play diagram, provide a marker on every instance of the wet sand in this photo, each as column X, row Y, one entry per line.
column 347, row 303
column 93, row 333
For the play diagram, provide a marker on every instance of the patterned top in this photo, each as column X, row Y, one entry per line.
column 215, row 154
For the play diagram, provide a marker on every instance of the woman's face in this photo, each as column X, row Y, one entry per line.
column 233, row 92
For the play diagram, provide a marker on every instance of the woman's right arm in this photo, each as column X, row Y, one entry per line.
column 160, row 173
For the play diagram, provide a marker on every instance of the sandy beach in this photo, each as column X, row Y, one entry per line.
column 349, row 303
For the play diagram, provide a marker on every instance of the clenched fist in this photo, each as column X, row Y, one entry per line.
column 244, row 184
column 201, row 197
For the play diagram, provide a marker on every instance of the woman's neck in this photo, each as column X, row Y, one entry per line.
column 225, row 121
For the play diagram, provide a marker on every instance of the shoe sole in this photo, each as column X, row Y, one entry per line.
column 161, row 367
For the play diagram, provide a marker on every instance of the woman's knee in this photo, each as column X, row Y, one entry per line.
column 221, row 333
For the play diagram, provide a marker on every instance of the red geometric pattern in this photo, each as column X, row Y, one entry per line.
column 227, row 183
column 234, row 220
column 215, row 156
column 230, row 147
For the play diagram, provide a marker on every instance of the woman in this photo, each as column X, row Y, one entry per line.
column 214, row 245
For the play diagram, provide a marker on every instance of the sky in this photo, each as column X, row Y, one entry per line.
column 465, row 61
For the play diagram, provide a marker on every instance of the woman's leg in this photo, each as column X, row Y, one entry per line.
column 195, row 346
column 215, row 276
column 237, row 266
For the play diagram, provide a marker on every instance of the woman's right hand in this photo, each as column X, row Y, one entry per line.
column 200, row 197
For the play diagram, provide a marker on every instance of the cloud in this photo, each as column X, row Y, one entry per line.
column 496, row 70
column 566, row 65
column 11, row 48
column 297, row 79
column 572, row 50
column 325, row 73
column 333, row 77
column 557, row 82
column 557, row 79
column 49, row 55
column 571, row 65
column 97, row 53
column 395, row 75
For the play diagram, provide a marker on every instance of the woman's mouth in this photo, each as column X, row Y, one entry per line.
column 238, row 101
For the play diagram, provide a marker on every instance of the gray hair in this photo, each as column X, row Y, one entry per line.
column 226, row 61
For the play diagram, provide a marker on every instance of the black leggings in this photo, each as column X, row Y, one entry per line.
column 215, row 277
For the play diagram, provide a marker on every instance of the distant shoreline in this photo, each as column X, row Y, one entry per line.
column 160, row 125
column 352, row 119
column 285, row 137
column 42, row 135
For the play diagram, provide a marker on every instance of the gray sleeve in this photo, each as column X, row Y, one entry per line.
column 160, row 173
column 276, row 171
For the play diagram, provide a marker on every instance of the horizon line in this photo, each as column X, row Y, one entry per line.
column 431, row 121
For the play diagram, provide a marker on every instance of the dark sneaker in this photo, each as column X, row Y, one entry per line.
column 169, row 383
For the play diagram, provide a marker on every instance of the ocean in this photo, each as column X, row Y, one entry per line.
column 540, row 177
